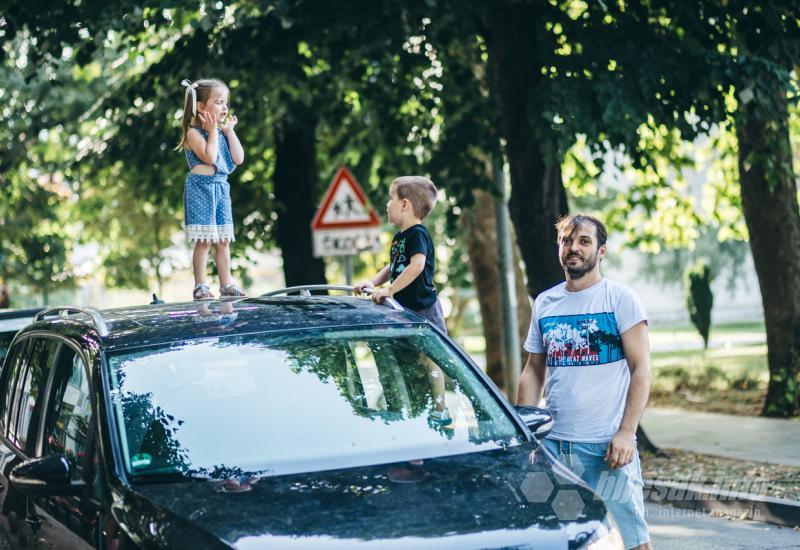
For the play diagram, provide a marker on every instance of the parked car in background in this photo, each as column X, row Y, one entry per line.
column 11, row 320
column 277, row 421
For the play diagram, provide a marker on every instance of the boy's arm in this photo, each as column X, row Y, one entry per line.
column 377, row 280
column 411, row 272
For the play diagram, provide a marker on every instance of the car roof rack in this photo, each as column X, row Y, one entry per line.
column 19, row 313
column 98, row 320
column 305, row 290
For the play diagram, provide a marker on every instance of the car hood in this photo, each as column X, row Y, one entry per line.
column 501, row 498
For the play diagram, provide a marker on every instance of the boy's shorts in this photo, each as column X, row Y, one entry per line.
column 434, row 314
column 620, row 488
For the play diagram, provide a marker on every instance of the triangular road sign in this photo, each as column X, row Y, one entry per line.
column 344, row 205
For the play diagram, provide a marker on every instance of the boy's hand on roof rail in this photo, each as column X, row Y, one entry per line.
column 361, row 287
column 379, row 294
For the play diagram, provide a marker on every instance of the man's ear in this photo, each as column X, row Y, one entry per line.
column 602, row 251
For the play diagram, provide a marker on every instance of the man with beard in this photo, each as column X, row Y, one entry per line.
column 590, row 356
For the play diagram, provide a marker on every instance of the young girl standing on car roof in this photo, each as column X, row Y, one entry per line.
column 213, row 151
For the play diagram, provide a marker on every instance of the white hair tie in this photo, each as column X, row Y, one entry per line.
column 191, row 87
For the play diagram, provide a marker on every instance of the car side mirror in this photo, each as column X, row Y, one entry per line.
column 538, row 421
column 45, row 476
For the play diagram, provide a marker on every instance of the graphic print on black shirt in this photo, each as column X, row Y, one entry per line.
column 420, row 293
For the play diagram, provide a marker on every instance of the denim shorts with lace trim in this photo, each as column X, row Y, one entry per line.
column 620, row 488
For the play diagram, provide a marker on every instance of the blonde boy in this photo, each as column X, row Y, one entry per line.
column 412, row 255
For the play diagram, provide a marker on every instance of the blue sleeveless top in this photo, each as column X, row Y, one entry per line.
column 224, row 163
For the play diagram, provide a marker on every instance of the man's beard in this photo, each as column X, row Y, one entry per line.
column 576, row 272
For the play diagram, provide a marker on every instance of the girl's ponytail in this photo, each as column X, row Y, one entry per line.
column 197, row 91
column 189, row 110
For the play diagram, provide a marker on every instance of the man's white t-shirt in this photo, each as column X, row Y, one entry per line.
column 587, row 375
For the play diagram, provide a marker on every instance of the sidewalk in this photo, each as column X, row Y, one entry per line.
column 771, row 440
column 748, row 438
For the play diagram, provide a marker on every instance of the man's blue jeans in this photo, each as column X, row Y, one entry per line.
column 620, row 488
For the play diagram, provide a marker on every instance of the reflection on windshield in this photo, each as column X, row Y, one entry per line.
column 243, row 406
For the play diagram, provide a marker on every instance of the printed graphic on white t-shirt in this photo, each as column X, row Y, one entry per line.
column 581, row 340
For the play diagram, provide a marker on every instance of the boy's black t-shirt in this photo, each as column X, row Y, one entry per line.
column 405, row 245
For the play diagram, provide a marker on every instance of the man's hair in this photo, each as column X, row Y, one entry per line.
column 419, row 191
column 571, row 222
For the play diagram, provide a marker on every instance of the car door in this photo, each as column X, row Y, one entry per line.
column 24, row 413
column 68, row 430
column 12, row 503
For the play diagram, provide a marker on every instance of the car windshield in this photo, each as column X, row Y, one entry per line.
column 300, row 401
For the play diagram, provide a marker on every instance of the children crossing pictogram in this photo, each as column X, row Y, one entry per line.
column 345, row 224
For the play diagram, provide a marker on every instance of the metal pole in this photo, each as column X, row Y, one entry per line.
column 347, row 263
column 508, row 287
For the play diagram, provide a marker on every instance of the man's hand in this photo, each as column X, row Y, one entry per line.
column 230, row 123
column 620, row 450
column 359, row 288
column 380, row 294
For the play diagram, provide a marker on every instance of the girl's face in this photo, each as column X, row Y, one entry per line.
column 216, row 105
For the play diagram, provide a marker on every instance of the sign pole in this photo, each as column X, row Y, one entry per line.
column 511, row 351
column 347, row 264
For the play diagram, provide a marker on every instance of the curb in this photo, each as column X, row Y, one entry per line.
column 776, row 511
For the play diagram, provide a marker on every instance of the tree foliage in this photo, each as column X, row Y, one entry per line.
column 566, row 90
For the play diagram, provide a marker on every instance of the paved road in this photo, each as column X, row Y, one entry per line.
column 676, row 529
column 771, row 440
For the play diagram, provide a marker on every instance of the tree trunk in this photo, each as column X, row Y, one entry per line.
column 479, row 230
column 644, row 444
column 295, row 182
column 538, row 197
column 769, row 202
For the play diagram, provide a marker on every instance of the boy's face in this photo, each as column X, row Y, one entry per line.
column 395, row 206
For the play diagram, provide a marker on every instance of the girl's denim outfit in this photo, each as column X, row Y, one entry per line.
column 207, row 199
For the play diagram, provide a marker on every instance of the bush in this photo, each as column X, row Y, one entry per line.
column 745, row 381
column 699, row 298
column 711, row 377
column 679, row 376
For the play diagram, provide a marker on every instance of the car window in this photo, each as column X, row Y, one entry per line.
column 41, row 356
column 69, row 412
column 9, row 380
column 301, row 401
column 5, row 342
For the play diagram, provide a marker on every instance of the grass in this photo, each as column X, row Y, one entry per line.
column 749, row 326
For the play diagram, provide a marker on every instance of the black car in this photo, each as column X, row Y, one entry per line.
column 278, row 421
